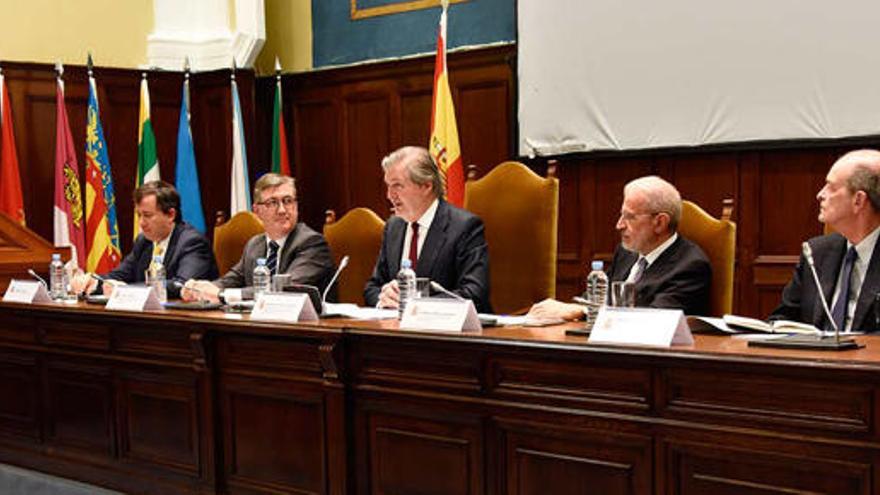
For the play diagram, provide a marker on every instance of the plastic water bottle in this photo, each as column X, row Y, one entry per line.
column 156, row 280
column 406, row 281
column 597, row 291
column 57, row 287
column 262, row 278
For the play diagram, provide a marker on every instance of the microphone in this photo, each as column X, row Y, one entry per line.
column 39, row 278
column 808, row 254
column 342, row 264
column 444, row 290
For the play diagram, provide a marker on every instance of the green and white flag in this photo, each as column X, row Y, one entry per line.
column 148, row 161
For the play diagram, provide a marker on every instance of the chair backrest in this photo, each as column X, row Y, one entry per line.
column 357, row 234
column 717, row 238
column 519, row 210
column 231, row 237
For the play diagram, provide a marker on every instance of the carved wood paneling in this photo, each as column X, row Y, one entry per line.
column 80, row 408
column 274, row 437
column 574, row 462
column 159, row 422
column 707, row 468
column 19, row 396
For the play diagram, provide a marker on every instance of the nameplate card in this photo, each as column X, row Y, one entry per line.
column 287, row 307
column 641, row 326
column 26, row 291
column 133, row 298
column 440, row 314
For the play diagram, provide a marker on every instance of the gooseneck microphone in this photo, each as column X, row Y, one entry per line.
column 39, row 278
column 808, row 254
column 444, row 290
column 342, row 264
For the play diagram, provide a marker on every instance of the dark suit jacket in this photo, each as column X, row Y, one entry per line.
column 680, row 278
column 188, row 256
column 454, row 255
column 800, row 299
column 305, row 256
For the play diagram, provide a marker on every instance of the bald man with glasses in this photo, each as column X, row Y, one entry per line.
column 289, row 246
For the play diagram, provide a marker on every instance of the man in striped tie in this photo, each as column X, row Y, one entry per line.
column 288, row 245
column 668, row 270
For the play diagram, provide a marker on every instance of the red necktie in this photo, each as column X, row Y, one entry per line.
column 414, row 245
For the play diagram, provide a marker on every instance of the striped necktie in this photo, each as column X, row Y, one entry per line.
column 272, row 259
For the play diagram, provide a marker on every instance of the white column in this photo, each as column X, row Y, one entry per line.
column 202, row 31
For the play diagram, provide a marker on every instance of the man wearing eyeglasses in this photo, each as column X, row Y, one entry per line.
column 289, row 246
column 668, row 270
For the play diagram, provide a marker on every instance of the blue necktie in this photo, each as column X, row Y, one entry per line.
column 838, row 313
column 272, row 259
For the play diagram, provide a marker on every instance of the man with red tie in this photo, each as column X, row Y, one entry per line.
column 444, row 243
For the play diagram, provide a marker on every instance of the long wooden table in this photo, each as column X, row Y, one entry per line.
column 191, row 402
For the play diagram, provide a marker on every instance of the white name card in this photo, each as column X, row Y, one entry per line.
column 288, row 307
column 641, row 326
column 26, row 291
column 133, row 298
column 440, row 314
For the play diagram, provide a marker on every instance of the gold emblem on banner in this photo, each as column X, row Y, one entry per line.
column 394, row 7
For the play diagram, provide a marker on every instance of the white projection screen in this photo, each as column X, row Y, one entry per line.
column 638, row 74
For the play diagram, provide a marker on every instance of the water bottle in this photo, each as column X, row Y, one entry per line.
column 262, row 278
column 57, row 287
column 406, row 281
column 156, row 280
column 597, row 291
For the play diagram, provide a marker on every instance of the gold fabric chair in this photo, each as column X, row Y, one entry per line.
column 230, row 238
column 717, row 238
column 357, row 234
column 519, row 210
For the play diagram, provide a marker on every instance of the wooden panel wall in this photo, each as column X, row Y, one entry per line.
column 32, row 91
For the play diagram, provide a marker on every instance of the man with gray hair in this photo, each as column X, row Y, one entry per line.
column 288, row 245
column 668, row 270
column 847, row 261
column 443, row 243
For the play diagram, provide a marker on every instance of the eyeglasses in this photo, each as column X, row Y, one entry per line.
column 273, row 203
column 629, row 217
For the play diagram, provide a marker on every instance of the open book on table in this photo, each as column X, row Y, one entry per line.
column 731, row 324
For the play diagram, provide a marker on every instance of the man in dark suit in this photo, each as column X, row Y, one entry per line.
column 668, row 270
column 289, row 247
column 444, row 243
column 847, row 261
column 186, row 253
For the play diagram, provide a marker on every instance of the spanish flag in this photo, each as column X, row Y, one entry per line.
column 102, row 229
column 444, row 145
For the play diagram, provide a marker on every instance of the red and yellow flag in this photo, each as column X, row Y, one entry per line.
column 101, row 227
column 444, row 145
column 11, row 201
